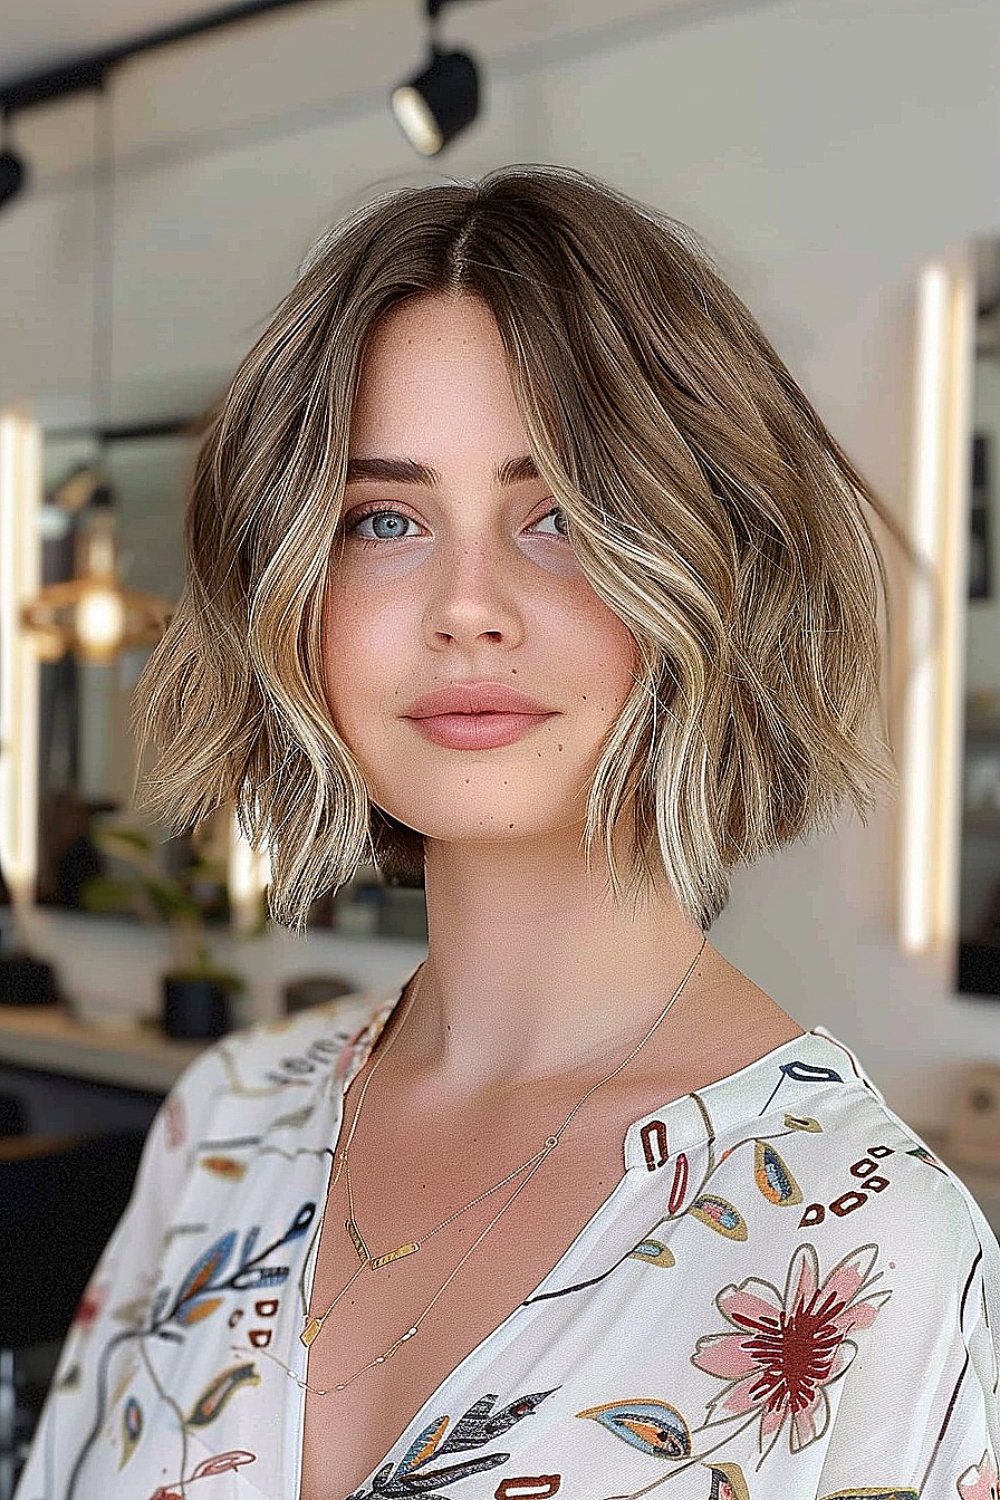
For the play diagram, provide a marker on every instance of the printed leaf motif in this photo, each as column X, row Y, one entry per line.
column 224, row 1166
column 719, row 1215
column 424, row 1446
column 131, row 1429
column 249, row 1244
column 217, row 1393
column 223, row 1463
column 476, row 1427
column 773, row 1177
column 802, row 1122
column 301, row 1222
column 395, row 1486
column 878, row 1494
column 654, row 1253
column 804, row 1072
column 653, row 1427
column 922, row 1154
column 194, row 1311
column 728, row 1482
column 295, row 1120
column 206, row 1267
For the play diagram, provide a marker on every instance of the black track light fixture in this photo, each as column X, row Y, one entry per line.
column 432, row 107
column 437, row 103
column 12, row 171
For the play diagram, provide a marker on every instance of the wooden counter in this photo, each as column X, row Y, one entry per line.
column 130, row 1053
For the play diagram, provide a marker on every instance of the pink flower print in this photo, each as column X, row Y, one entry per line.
column 980, row 1481
column 790, row 1347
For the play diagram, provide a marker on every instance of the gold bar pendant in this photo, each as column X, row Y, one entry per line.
column 383, row 1260
column 359, row 1243
column 310, row 1331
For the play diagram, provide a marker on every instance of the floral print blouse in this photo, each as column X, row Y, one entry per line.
column 785, row 1297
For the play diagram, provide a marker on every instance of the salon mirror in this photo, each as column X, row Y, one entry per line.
column 86, row 749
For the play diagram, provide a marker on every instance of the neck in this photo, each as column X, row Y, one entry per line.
column 535, row 972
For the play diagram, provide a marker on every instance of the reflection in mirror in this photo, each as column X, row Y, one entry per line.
column 87, row 752
column 370, row 906
column 979, row 909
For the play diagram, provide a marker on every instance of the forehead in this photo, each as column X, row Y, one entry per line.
column 434, row 319
column 435, row 371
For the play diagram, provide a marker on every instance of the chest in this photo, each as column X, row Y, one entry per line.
column 456, row 1292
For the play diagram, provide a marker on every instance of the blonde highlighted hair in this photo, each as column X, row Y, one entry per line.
column 707, row 503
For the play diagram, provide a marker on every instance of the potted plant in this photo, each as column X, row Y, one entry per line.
column 195, row 989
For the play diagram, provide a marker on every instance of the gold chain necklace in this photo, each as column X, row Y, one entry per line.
column 313, row 1325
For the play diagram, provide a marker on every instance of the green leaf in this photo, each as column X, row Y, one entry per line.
column 101, row 893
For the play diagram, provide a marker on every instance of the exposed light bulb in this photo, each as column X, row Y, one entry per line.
column 98, row 622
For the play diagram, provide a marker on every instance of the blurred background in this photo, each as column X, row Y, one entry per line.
column 164, row 171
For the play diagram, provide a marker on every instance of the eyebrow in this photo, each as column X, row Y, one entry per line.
column 408, row 471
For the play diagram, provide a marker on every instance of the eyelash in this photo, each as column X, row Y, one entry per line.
column 354, row 518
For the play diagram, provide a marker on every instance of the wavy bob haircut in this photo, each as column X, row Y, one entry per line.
column 707, row 504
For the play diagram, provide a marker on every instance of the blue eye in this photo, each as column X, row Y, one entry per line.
column 395, row 521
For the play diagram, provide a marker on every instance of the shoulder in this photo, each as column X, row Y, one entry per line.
column 857, row 1153
column 807, row 1149
column 872, row 1190
column 879, row 1154
column 248, row 1070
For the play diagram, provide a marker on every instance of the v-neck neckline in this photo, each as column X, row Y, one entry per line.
column 687, row 1109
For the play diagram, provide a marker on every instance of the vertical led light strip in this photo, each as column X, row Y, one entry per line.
column 955, row 526
column 20, row 567
column 929, row 780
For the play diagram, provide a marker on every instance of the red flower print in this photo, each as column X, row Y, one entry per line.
column 790, row 1347
column 980, row 1481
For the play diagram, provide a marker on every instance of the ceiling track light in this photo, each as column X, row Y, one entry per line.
column 12, row 170
column 438, row 102
column 432, row 107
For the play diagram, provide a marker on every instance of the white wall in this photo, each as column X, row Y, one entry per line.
column 824, row 148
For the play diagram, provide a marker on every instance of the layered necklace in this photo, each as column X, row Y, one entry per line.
column 313, row 1325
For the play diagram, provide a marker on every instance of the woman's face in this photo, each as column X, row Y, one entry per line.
column 464, row 576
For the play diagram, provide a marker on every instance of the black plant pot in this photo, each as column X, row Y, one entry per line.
column 194, row 1009
column 26, row 981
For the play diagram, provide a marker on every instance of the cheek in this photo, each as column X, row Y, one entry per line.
column 614, row 655
column 347, row 653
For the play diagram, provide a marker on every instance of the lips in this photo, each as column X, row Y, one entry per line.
column 474, row 698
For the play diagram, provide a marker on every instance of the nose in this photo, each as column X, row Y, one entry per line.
column 473, row 596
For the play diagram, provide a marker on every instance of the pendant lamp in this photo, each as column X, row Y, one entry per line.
column 92, row 614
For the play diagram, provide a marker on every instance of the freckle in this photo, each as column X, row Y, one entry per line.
column 584, row 697
column 510, row 825
column 559, row 747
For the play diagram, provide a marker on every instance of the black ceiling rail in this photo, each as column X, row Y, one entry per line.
column 89, row 71
column 125, row 432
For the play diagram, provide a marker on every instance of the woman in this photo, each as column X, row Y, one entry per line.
column 517, row 557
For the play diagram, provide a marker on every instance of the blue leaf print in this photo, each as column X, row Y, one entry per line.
column 653, row 1427
column 206, row 1267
